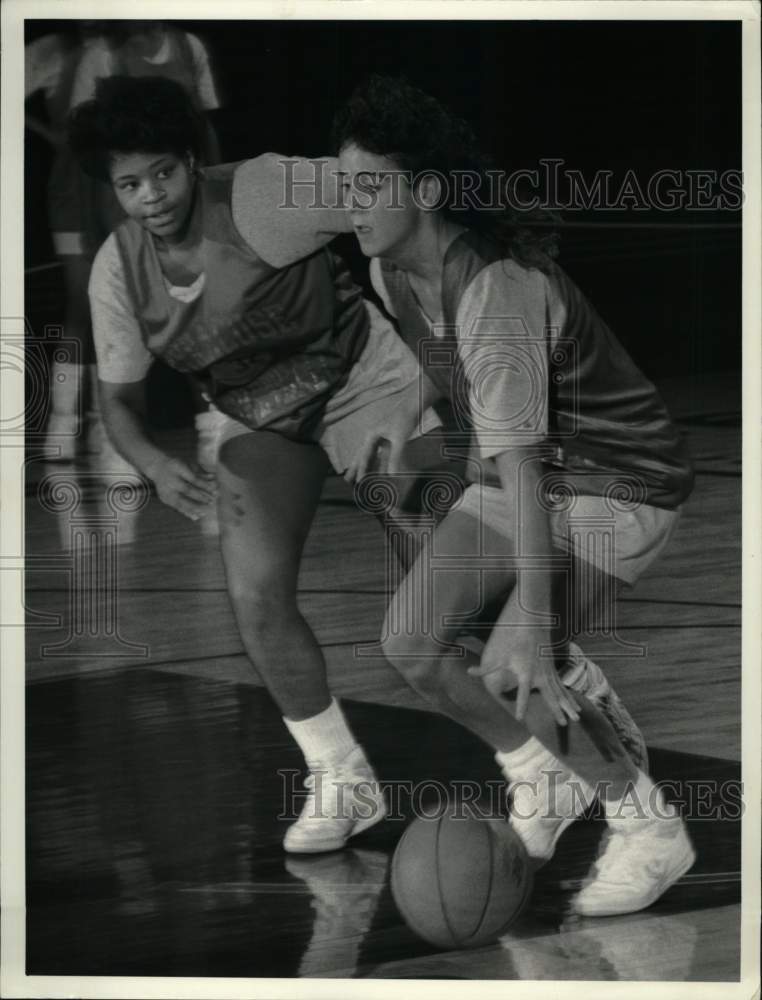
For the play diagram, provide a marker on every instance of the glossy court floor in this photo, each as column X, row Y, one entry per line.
column 153, row 844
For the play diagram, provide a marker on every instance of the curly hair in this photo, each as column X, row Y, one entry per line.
column 133, row 115
column 389, row 117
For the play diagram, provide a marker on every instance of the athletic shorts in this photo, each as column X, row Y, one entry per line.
column 385, row 367
column 622, row 543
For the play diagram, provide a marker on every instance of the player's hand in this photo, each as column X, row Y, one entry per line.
column 186, row 488
column 522, row 669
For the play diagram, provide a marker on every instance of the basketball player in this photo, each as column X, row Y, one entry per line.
column 51, row 64
column 548, row 396
column 278, row 336
column 151, row 48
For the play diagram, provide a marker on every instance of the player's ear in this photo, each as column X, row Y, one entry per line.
column 431, row 190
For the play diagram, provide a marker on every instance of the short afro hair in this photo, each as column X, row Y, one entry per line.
column 133, row 115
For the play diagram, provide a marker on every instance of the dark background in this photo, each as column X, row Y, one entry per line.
column 621, row 95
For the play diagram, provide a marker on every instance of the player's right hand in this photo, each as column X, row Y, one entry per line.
column 506, row 666
column 186, row 488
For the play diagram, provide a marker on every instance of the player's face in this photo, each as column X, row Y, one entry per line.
column 379, row 197
column 155, row 189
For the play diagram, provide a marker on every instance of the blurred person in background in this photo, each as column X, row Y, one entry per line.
column 51, row 64
column 84, row 211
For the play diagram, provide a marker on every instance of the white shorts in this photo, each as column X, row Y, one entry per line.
column 621, row 542
column 385, row 367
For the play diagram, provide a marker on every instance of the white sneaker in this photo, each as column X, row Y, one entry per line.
column 587, row 678
column 344, row 799
column 545, row 800
column 642, row 858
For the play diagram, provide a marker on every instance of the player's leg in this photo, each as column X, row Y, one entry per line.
column 69, row 374
column 73, row 378
column 585, row 596
column 584, row 593
column 552, row 769
column 421, row 634
column 269, row 488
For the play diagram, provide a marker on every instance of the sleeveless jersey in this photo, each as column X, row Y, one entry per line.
column 268, row 345
column 604, row 421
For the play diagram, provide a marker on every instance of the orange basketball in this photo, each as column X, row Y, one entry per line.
column 460, row 882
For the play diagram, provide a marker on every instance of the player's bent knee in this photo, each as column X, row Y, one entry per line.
column 424, row 677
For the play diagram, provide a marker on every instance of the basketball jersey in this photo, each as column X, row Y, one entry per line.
column 599, row 415
column 268, row 345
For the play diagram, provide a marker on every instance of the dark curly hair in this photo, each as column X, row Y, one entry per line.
column 389, row 117
column 133, row 115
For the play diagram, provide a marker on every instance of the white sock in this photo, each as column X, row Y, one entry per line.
column 533, row 758
column 516, row 761
column 324, row 738
column 641, row 800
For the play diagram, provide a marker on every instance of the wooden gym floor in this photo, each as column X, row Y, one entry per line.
column 153, row 844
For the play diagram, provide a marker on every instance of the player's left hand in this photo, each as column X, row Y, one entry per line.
column 521, row 668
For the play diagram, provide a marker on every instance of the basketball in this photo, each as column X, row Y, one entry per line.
column 460, row 881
